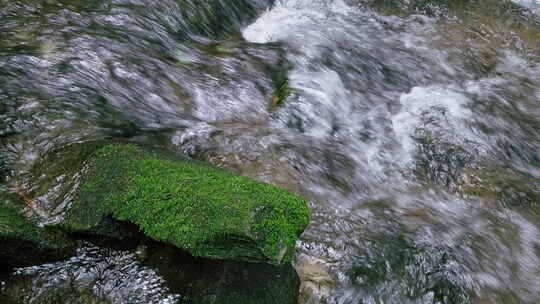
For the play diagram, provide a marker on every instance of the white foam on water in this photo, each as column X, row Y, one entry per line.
column 533, row 5
column 323, row 93
column 423, row 101
column 332, row 46
column 288, row 17
column 314, row 27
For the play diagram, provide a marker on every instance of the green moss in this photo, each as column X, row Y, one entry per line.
column 25, row 244
column 13, row 225
column 282, row 90
column 206, row 211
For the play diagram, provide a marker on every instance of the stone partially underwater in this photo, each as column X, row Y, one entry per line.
column 204, row 210
column 153, row 273
column 139, row 206
column 25, row 244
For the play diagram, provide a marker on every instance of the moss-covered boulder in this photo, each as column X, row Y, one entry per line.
column 203, row 210
column 22, row 243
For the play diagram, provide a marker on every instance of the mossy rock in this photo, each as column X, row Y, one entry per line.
column 203, row 210
column 25, row 244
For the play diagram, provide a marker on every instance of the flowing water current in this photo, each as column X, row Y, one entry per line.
column 412, row 127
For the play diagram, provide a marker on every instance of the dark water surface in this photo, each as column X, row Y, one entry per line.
column 412, row 128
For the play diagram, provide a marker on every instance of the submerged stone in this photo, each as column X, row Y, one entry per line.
column 164, row 275
column 25, row 244
column 207, row 281
column 94, row 275
column 508, row 187
column 393, row 264
column 203, row 210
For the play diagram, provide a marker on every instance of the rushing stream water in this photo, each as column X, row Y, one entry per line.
column 413, row 129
